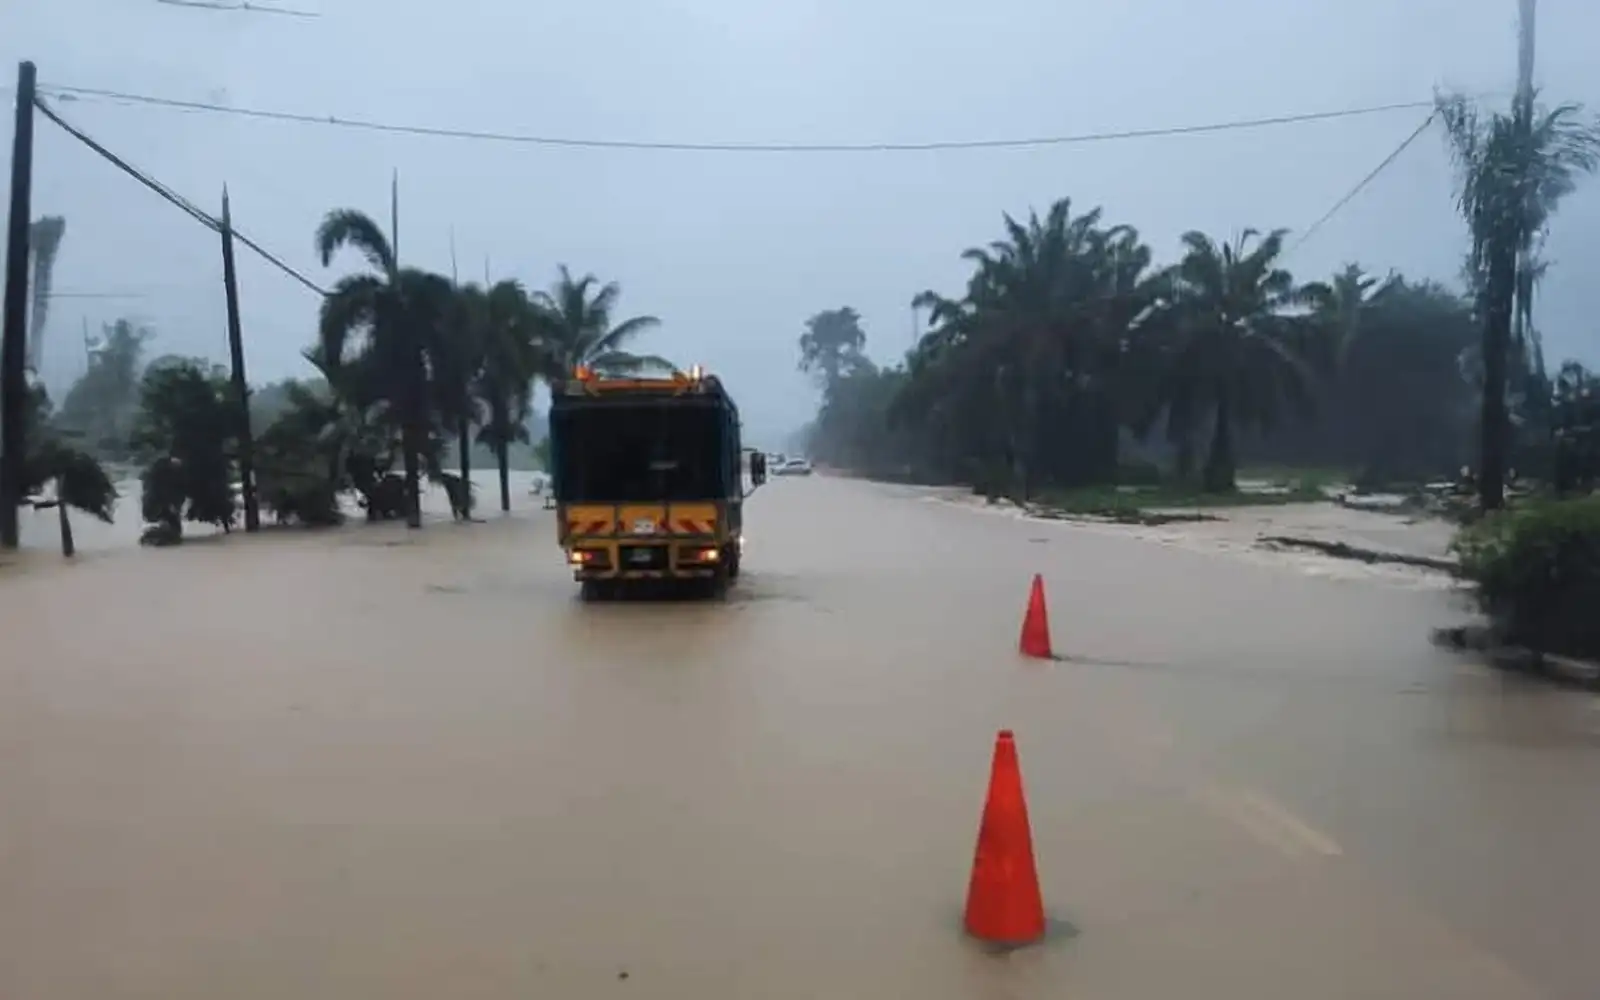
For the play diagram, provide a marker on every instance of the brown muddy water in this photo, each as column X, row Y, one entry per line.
column 386, row 764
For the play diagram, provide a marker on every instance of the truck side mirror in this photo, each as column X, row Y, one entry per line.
column 758, row 468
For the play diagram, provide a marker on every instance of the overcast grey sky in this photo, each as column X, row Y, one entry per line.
column 733, row 252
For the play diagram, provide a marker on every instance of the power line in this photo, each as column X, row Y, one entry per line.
column 161, row 189
column 372, row 125
column 141, row 290
column 184, row 204
column 238, row 8
column 275, row 262
column 1361, row 185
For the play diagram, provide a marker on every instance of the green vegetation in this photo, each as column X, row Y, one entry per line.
column 417, row 371
column 1071, row 355
column 57, row 465
column 101, row 405
column 182, row 437
column 412, row 371
column 54, row 462
column 1535, row 568
column 576, row 322
column 1536, row 573
column 1513, row 169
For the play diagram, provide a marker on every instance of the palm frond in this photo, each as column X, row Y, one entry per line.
column 614, row 338
column 347, row 227
column 349, row 310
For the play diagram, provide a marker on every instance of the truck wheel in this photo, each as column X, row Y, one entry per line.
column 730, row 557
column 717, row 586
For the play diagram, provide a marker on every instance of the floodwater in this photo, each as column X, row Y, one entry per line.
column 375, row 763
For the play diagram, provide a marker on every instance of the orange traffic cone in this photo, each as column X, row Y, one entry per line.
column 1004, row 905
column 1036, row 624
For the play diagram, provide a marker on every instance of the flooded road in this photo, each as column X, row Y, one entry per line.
column 380, row 764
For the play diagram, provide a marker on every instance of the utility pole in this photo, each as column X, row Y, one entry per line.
column 410, row 435
column 14, row 335
column 241, row 386
column 1507, row 259
column 394, row 217
column 464, row 431
column 498, row 415
column 1525, row 40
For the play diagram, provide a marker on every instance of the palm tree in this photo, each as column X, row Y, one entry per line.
column 1343, row 302
column 504, row 387
column 943, row 398
column 44, row 243
column 459, row 364
column 328, row 435
column 301, row 454
column 832, row 340
column 1512, row 171
column 1035, row 345
column 78, row 479
column 400, row 315
column 1235, row 348
column 577, row 328
column 101, row 404
column 185, row 436
column 357, row 429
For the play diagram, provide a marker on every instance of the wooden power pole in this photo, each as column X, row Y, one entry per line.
column 14, row 334
column 241, row 385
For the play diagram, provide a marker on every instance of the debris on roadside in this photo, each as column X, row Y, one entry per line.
column 1344, row 550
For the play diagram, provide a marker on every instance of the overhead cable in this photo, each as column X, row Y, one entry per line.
column 520, row 138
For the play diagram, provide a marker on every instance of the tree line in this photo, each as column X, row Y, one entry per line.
column 411, row 365
column 1072, row 358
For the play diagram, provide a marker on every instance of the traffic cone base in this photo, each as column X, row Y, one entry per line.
column 1004, row 903
column 1035, row 640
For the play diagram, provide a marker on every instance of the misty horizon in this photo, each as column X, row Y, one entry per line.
column 735, row 250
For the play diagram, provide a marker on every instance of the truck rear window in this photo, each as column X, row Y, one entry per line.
column 616, row 453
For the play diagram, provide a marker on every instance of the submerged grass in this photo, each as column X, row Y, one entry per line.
column 1164, row 503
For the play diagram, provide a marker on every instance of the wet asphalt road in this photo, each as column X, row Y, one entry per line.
column 381, row 764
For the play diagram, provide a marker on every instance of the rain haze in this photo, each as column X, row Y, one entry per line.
column 734, row 251
column 330, row 698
